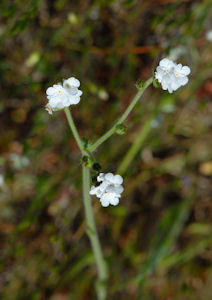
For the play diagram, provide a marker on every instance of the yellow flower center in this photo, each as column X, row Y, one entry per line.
column 109, row 194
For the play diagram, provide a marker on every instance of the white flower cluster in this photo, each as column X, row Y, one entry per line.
column 171, row 75
column 61, row 96
column 110, row 189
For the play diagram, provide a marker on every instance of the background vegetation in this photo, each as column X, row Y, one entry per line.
column 157, row 241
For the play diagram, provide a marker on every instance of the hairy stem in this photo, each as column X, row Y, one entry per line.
column 93, row 236
column 112, row 130
column 91, row 226
column 74, row 129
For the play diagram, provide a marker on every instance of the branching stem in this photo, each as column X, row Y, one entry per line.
column 91, row 226
column 130, row 107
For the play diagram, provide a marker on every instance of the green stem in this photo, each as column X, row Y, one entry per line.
column 93, row 236
column 91, row 226
column 74, row 130
column 122, row 118
column 144, row 132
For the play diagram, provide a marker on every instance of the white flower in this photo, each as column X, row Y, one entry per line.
column 109, row 190
column 208, row 35
column 58, row 97
column 61, row 96
column 1, row 180
column 170, row 75
column 71, row 86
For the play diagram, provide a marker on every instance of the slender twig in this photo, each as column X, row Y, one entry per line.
column 92, row 233
column 91, row 226
column 74, row 130
column 112, row 130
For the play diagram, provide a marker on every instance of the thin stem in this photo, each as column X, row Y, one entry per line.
column 91, row 230
column 122, row 118
column 93, row 236
column 74, row 129
column 145, row 130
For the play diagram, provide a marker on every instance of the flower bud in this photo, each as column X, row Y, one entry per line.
column 120, row 129
column 140, row 84
column 87, row 161
column 96, row 167
column 155, row 82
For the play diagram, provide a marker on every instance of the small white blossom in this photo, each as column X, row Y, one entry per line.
column 58, row 97
column 109, row 190
column 71, row 86
column 208, row 35
column 61, row 96
column 1, row 180
column 171, row 75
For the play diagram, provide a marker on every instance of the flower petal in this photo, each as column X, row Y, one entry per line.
column 114, row 201
column 186, row 70
column 93, row 190
column 104, row 200
column 72, row 81
column 109, row 177
column 50, row 91
column 100, row 177
column 118, row 179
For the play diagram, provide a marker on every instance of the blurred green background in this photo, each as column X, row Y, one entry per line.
column 157, row 242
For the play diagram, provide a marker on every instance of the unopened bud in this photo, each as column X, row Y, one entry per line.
column 155, row 83
column 96, row 167
column 140, row 84
column 120, row 129
column 87, row 161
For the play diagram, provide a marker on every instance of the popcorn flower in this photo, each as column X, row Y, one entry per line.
column 208, row 35
column 109, row 190
column 61, row 96
column 171, row 75
column 1, row 180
